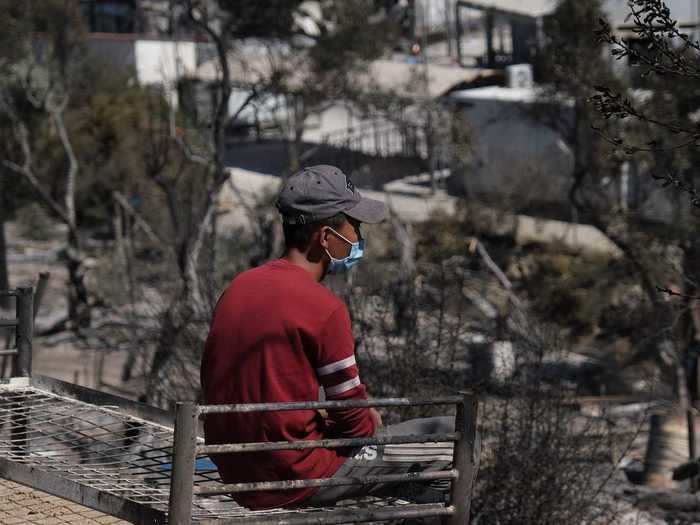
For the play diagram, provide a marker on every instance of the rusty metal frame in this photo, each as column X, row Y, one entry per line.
column 235, row 448
column 327, row 405
column 461, row 475
column 331, row 482
column 342, row 515
column 23, row 323
column 103, row 399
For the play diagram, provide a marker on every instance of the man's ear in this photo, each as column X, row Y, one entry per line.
column 322, row 233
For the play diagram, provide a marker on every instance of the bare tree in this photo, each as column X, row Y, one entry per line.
column 4, row 274
column 42, row 79
column 661, row 131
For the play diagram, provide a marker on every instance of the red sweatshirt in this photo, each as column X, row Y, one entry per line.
column 276, row 336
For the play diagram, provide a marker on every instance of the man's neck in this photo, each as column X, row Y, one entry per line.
column 300, row 259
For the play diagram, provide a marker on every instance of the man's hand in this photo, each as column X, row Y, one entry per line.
column 376, row 417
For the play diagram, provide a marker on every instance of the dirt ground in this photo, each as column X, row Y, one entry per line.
column 21, row 505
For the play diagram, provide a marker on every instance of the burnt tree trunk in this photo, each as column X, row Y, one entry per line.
column 4, row 271
column 79, row 311
column 4, row 274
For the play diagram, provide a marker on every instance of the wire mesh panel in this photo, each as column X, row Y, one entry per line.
column 86, row 444
column 97, row 447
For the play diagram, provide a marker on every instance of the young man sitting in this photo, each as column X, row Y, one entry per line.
column 278, row 335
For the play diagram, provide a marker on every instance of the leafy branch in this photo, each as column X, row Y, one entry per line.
column 667, row 47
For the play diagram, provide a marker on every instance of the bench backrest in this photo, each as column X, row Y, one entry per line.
column 461, row 474
column 23, row 325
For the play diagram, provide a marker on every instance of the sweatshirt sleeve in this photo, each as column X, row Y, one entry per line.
column 338, row 373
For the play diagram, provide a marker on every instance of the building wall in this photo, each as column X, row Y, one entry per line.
column 515, row 157
column 521, row 163
column 163, row 62
column 152, row 62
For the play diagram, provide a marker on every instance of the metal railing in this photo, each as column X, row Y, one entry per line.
column 381, row 139
column 386, row 140
column 23, row 325
column 461, row 473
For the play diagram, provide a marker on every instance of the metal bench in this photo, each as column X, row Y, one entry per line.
column 126, row 459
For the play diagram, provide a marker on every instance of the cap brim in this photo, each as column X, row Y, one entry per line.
column 370, row 211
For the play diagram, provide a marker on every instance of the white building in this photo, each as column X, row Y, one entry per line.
column 152, row 60
column 142, row 36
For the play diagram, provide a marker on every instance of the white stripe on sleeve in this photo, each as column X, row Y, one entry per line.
column 338, row 365
column 343, row 387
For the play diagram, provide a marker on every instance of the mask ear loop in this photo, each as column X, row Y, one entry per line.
column 342, row 237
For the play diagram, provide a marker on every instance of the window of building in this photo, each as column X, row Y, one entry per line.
column 113, row 16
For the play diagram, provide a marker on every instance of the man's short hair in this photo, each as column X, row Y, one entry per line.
column 299, row 235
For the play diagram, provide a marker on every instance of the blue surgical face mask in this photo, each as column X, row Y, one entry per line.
column 357, row 250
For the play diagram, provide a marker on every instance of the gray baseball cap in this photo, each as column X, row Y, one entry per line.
column 319, row 192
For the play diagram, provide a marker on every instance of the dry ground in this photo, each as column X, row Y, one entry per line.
column 21, row 505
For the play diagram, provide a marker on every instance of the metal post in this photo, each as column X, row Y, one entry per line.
column 448, row 29
column 490, row 54
column 22, row 363
column 458, row 30
column 376, row 139
column 184, row 446
column 25, row 329
column 466, row 459
column 40, row 291
column 690, row 419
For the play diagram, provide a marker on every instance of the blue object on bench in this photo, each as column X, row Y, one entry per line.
column 201, row 465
